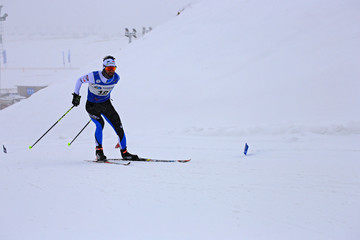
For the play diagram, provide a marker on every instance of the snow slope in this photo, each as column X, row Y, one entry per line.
column 281, row 76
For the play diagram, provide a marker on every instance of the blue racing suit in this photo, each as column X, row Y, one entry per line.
column 98, row 104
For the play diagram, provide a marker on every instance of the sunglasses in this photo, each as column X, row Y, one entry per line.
column 110, row 68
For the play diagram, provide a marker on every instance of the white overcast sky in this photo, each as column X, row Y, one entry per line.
column 96, row 15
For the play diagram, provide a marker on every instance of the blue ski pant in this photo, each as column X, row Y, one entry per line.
column 97, row 113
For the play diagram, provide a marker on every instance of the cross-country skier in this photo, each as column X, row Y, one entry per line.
column 98, row 105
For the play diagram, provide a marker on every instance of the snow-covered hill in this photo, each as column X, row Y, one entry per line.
column 281, row 76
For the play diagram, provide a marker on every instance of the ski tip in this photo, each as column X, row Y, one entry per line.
column 69, row 144
column 184, row 161
column 30, row 147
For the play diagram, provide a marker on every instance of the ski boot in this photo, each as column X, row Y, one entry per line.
column 128, row 156
column 100, row 157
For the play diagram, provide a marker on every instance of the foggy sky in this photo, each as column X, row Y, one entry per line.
column 94, row 16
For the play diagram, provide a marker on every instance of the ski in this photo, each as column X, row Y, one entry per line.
column 109, row 162
column 151, row 160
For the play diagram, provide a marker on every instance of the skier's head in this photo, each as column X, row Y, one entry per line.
column 109, row 65
column 109, row 61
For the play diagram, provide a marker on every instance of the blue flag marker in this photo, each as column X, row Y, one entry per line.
column 246, row 148
column 69, row 56
column 4, row 57
column 63, row 53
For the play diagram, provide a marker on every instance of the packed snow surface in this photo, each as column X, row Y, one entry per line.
column 281, row 76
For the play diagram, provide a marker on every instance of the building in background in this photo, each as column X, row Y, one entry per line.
column 14, row 95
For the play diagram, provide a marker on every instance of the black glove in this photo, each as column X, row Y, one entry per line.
column 76, row 99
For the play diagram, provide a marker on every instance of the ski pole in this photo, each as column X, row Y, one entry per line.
column 79, row 133
column 30, row 147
